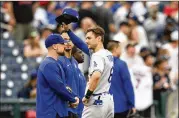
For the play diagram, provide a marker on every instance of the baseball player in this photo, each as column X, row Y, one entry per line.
column 52, row 91
column 98, row 103
column 69, row 64
column 70, row 67
column 79, row 56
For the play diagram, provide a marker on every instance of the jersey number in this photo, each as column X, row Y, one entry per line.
column 110, row 76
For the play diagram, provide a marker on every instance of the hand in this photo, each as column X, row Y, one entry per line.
column 64, row 27
column 166, row 85
column 85, row 101
column 33, row 93
column 134, row 110
column 74, row 105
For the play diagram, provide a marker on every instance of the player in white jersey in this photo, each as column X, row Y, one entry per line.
column 98, row 103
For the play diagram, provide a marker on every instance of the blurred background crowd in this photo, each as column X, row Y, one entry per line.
column 147, row 32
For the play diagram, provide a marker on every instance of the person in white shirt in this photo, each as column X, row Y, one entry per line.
column 122, row 35
column 131, row 57
column 139, row 8
column 121, row 13
column 138, row 33
column 143, row 86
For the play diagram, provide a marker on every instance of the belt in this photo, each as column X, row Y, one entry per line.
column 98, row 94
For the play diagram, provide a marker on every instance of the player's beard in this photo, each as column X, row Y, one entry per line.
column 60, row 53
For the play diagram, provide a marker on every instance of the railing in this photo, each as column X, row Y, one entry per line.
column 169, row 101
column 17, row 106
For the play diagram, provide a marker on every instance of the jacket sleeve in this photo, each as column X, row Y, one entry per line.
column 79, row 43
column 55, row 81
column 125, row 76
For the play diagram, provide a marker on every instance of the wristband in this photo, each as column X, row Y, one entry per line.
column 88, row 94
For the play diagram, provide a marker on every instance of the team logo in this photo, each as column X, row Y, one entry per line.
column 69, row 89
column 95, row 64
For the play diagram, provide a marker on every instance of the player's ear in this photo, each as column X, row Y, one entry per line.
column 99, row 39
column 54, row 46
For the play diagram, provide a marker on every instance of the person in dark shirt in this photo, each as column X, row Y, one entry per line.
column 21, row 13
column 161, row 82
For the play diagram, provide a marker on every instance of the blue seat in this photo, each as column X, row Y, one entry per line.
column 4, row 42
column 6, row 51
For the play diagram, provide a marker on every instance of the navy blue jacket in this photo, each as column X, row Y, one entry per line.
column 121, row 87
column 52, row 95
column 75, row 79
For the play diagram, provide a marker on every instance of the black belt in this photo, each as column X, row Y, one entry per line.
column 98, row 94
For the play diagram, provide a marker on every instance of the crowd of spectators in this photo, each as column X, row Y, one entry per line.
column 147, row 32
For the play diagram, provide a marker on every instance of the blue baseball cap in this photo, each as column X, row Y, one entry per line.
column 69, row 15
column 54, row 39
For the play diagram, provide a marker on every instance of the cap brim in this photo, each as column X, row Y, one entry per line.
column 64, row 41
column 66, row 19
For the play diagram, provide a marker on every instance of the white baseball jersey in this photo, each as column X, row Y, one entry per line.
column 143, row 86
column 102, row 61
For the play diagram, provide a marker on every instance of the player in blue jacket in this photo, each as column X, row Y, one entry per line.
column 53, row 94
column 121, row 86
column 79, row 56
column 72, row 72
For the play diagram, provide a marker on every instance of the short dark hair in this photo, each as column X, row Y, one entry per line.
column 124, row 23
column 146, row 57
column 159, row 61
column 130, row 45
column 98, row 31
column 112, row 44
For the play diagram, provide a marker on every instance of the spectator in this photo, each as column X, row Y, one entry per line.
column 4, row 19
column 72, row 4
column 138, row 34
column 44, row 34
column 40, row 16
column 32, row 46
column 171, row 9
column 29, row 90
column 122, row 35
column 172, row 48
column 161, row 82
column 131, row 57
column 21, row 18
column 105, row 20
column 153, row 25
column 53, row 10
column 139, row 9
column 122, row 12
column 86, row 10
column 144, row 51
column 143, row 86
